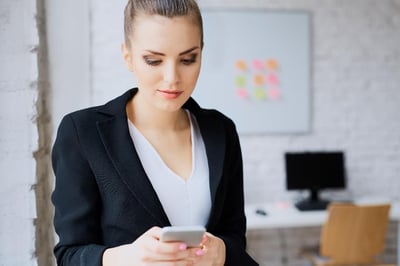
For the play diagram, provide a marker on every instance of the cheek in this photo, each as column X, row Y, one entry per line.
column 192, row 72
column 195, row 74
column 190, row 79
column 197, row 70
column 145, row 75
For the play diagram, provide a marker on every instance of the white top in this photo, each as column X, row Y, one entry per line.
column 186, row 202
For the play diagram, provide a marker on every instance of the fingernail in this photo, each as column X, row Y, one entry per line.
column 182, row 246
column 199, row 252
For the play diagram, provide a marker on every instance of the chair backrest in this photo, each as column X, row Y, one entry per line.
column 354, row 234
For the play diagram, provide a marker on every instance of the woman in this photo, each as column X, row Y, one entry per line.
column 151, row 157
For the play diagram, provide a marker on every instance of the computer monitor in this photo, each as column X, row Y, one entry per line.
column 314, row 171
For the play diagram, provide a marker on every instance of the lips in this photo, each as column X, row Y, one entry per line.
column 170, row 94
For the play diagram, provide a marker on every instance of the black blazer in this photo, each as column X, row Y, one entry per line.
column 103, row 198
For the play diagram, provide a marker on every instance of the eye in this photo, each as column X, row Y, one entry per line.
column 190, row 60
column 151, row 62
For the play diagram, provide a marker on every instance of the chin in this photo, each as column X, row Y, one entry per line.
column 170, row 107
column 173, row 105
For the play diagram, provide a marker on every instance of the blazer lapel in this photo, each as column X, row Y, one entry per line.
column 117, row 141
column 215, row 143
column 214, row 139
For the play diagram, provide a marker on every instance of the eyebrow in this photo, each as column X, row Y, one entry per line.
column 182, row 53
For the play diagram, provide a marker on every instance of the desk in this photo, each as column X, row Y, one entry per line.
column 284, row 215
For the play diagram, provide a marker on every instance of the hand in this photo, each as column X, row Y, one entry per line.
column 149, row 250
column 213, row 251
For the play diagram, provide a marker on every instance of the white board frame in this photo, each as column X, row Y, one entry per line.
column 247, row 35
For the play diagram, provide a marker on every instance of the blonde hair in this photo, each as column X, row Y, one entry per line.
column 166, row 8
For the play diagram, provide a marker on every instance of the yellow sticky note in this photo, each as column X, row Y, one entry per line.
column 259, row 94
column 240, row 81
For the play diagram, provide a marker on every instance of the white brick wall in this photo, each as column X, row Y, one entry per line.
column 18, row 133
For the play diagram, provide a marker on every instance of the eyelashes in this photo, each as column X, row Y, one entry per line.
column 189, row 61
column 151, row 62
column 185, row 61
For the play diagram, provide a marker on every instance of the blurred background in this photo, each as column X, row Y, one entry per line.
column 60, row 56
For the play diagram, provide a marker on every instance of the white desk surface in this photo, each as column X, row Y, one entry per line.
column 285, row 215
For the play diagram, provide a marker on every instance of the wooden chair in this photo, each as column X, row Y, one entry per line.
column 353, row 235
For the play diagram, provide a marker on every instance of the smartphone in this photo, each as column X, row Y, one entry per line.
column 190, row 235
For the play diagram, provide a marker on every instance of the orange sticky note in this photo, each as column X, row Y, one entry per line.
column 241, row 65
column 272, row 64
column 258, row 80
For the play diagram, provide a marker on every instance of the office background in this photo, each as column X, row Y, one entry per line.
column 58, row 56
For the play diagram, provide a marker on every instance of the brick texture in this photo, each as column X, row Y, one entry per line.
column 18, row 132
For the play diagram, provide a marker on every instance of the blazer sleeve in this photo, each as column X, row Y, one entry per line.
column 77, row 201
column 232, row 225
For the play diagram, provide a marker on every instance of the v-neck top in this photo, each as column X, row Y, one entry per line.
column 185, row 202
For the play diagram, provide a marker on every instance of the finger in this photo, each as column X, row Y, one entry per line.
column 207, row 245
column 206, row 240
column 188, row 255
column 155, row 232
column 166, row 251
column 169, row 247
column 173, row 263
column 164, row 247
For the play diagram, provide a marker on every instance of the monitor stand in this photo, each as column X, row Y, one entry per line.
column 313, row 203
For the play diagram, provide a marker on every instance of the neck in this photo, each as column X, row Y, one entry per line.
column 146, row 117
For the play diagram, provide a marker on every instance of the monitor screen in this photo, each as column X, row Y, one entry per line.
column 314, row 170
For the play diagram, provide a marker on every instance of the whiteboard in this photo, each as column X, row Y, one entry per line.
column 256, row 69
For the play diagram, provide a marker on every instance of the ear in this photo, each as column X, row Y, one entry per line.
column 127, row 56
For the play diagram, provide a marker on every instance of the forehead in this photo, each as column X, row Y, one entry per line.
column 161, row 33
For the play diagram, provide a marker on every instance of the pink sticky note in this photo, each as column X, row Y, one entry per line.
column 274, row 93
column 242, row 93
column 258, row 64
column 272, row 79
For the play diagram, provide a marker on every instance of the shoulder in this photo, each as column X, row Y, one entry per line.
column 85, row 115
column 80, row 122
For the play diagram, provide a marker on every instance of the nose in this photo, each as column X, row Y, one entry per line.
column 171, row 73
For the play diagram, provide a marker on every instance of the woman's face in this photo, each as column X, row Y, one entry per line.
column 165, row 56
